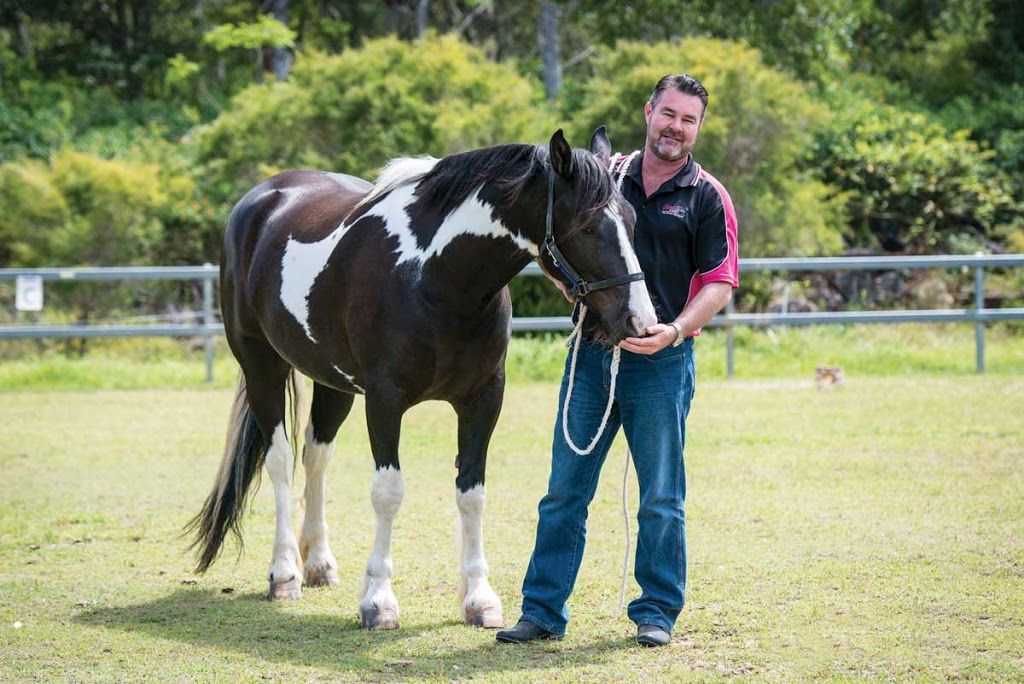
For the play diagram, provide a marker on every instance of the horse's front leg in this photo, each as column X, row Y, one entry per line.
column 481, row 607
column 378, row 607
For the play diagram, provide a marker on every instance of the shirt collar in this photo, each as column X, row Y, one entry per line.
column 686, row 177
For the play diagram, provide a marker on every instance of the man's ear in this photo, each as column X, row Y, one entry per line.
column 599, row 145
column 561, row 155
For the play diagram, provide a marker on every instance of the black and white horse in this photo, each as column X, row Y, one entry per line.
column 397, row 291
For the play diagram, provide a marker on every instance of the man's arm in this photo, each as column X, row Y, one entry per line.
column 711, row 299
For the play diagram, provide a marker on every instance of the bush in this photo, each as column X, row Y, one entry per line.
column 912, row 185
column 351, row 112
column 81, row 210
column 753, row 139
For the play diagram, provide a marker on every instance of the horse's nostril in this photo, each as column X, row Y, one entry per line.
column 636, row 327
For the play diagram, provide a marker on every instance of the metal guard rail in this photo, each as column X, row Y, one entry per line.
column 208, row 273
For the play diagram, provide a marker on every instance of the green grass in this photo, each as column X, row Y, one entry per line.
column 871, row 532
column 876, row 350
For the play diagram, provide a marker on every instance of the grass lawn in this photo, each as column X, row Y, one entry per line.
column 867, row 532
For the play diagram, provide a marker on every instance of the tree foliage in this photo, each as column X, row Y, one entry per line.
column 756, row 131
column 829, row 119
column 911, row 184
column 80, row 210
column 352, row 112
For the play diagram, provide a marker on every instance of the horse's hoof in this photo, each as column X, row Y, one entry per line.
column 487, row 619
column 322, row 577
column 290, row 589
column 373, row 618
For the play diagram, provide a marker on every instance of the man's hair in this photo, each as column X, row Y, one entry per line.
column 685, row 84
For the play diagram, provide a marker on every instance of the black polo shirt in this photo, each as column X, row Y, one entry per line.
column 685, row 234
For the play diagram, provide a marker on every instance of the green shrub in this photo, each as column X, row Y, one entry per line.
column 911, row 184
column 352, row 112
column 753, row 140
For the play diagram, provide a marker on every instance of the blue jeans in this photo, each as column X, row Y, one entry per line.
column 652, row 400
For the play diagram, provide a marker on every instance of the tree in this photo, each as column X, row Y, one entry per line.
column 389, row 98
column 280, row 55
column 550, row 49
column 911, row 184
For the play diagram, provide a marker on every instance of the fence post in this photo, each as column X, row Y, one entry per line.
column 979, row 325
column 730, row 371
column 208, row 321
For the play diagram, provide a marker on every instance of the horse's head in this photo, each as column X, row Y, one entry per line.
column 589, row 241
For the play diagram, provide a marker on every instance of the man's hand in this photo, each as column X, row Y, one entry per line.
column 658, row 337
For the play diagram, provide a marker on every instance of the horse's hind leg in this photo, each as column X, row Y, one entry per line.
column 480, row 606
column 266, row 375
column 329, row 410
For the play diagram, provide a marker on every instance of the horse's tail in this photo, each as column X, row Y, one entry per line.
column 245, row 451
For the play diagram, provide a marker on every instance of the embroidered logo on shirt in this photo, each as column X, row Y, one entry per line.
column 677, row 210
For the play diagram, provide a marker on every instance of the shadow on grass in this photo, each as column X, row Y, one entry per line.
column 249, row 625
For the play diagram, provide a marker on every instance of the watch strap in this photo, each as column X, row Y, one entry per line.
column 679, row 333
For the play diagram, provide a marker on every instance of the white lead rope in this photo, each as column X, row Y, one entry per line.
column 577, row 334
column 621, row 168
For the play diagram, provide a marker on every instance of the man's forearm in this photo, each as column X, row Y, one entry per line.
column 711, row 299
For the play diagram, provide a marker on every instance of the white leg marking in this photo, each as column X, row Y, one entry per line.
column 480, row 605
column 321, row 568
column 640, row 304
column 284, row 576
column 378, row 608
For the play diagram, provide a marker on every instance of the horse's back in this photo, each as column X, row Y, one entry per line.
column 302, row 205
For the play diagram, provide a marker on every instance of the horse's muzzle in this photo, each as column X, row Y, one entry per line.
column 635, row 327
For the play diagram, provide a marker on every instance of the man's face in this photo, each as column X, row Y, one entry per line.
column 673, row 124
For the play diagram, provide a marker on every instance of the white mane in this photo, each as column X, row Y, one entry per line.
column 398, row 172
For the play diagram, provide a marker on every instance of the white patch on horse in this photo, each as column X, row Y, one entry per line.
column 284, row 575
column 639, row 299
column 480, row 605
column 301, row 263
column 349, row 378
column 378, row 604
column 321, row 568
column 472, row 217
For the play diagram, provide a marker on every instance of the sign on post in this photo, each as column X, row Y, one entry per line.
column 28, row 293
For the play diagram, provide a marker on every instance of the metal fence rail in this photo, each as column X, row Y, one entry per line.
column 210, row 328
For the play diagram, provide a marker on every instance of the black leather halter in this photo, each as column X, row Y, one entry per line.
column 580, row 287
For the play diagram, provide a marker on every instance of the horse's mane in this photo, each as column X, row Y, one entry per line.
column 448, row 182
column 398, row 172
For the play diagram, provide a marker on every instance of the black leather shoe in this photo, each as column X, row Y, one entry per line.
column 652, row 635
column 525, row 631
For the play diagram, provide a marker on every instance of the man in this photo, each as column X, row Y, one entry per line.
column 686, row 242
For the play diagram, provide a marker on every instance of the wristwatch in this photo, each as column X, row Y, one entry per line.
column 679, row 333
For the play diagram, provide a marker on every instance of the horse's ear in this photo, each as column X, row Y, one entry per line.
column 599, row 145
column 561, row 155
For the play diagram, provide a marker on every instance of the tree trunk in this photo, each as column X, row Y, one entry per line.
column 422, row 11
column 550, row 49
column 280, row 57
column 22, row 46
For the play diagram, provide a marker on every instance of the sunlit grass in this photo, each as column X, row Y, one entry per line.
column 869, row 532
